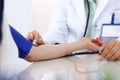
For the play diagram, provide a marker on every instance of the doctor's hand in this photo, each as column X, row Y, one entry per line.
column 34, row 35
column 111, row 50
column 98, row 41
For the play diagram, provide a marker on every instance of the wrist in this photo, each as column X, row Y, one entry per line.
column 79, row 45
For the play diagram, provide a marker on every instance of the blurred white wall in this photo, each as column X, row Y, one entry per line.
column 42, row 12
column 23, row 15
column 0, row 58
column 17, row 13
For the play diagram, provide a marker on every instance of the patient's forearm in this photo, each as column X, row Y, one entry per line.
column 44, row 52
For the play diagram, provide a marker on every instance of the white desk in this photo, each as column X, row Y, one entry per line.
column 73, row 68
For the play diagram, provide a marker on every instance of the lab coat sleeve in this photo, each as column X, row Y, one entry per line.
column 58, row 32
column 118, row 39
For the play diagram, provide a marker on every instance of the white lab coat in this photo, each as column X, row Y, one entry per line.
column 70, row 19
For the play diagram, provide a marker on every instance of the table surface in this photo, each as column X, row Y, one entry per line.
column 84, row 67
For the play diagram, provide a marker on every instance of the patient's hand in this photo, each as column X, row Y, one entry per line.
column 91, row 44
column 34, row 35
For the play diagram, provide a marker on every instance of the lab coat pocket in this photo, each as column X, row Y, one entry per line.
column 110, row 31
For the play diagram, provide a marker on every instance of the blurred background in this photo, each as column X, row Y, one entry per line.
column 42, row 13
column 24, row 16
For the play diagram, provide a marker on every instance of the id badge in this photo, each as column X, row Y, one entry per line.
column 110, row 31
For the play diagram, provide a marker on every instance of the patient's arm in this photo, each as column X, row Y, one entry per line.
column 30, row 53
column 44, row 52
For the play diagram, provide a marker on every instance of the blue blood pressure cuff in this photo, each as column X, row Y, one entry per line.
column 24, row 46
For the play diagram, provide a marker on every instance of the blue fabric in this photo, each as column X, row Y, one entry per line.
column 1, row 13
column 24, row 46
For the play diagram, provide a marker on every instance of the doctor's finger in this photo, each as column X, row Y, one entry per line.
column 100, row 41
column 30, row 36
column 118, row 58
column 97, row 42
column 107, row 48
column 113, row 52
column 37, row 37
column 115, row 56
column 35, row 34
column 117, row 53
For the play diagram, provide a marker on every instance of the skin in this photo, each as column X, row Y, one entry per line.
column 45, row 52
column 94, row 1
column 111, row 50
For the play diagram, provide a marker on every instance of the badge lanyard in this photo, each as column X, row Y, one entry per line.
column 110, row 30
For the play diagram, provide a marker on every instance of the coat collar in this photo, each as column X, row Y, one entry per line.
column 80, row 7
column 100, row 8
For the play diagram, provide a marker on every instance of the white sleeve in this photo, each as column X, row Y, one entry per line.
column 118, row 38
column 58, row 32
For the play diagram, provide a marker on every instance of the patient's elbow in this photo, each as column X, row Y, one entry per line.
column 30, row 59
